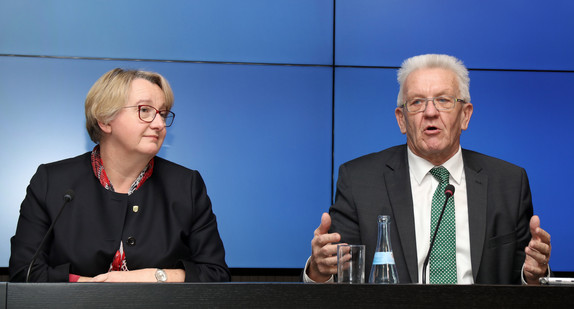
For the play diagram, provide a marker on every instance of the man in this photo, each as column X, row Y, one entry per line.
column 495, row 237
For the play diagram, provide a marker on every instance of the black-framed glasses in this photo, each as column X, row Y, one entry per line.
column 147, row 114
column 441, row 103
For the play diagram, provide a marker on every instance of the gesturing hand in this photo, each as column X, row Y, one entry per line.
column 537, row 253
column 323, row 261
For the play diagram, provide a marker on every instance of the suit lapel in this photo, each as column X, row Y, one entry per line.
column 397, row 181
column 476, row 186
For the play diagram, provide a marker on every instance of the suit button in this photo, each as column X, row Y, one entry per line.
column 131, row 241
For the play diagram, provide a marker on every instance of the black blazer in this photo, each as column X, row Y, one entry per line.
column 174, row 226
column 499, row 211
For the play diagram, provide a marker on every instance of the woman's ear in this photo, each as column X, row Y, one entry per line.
column 106, row 128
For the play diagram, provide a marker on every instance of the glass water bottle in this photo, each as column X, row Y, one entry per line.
column 384, row 269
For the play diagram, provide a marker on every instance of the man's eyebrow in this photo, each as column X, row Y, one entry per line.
column 437, row 94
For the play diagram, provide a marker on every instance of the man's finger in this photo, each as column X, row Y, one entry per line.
column 540, row 246
column 536, row 256
column 542, row 235
column 325, row 239
column 534, row 226
column 325, row 224
column 534, row 223
column 328, row 265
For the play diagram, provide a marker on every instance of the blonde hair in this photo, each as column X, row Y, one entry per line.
column 109, row 94
column 435, row 61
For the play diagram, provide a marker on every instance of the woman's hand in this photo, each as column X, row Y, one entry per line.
column 140, row 275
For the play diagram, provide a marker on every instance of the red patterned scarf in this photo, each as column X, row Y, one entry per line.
column 100, row 173
column 119, row 261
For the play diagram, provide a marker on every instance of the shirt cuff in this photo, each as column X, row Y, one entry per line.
column 548, row 272
column 306, row 278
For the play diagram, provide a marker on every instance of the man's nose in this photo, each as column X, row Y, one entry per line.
column 430, row 110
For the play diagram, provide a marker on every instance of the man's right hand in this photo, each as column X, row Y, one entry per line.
column 323, row 261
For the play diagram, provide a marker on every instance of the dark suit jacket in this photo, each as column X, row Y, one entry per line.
column 174, row 226
column 499, row 211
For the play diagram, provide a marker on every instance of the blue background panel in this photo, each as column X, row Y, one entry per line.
column 279, row 31
column 491, row 34
column 364, row 112
column 260, row 136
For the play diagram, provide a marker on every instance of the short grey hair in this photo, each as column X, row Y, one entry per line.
column 435, row 61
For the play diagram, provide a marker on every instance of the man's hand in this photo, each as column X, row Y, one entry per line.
column 323, row 261
column 537, row 253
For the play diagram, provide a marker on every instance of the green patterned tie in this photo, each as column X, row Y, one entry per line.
column 442, row 268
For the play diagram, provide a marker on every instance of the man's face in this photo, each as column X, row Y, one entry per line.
column 433, row 135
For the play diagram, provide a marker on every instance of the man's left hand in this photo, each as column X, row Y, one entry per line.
column 537, row 253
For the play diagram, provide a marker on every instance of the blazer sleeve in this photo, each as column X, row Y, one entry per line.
column 344, row 218
column 207, row 262
column 36, row 216
column 525, row 212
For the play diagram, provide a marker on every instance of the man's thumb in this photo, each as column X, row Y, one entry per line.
column 325, row 224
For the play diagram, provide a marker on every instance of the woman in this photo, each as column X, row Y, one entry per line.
column 130, row 209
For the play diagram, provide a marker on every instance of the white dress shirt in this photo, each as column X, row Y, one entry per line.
column 423, row 185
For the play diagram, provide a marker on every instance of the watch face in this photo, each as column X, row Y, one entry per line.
column 160, row 275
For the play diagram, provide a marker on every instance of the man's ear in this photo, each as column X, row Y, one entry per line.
column 467, row 109
column 401, row 121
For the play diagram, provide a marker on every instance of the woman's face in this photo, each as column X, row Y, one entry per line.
column 127, row 133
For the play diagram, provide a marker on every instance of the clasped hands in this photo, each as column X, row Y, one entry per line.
column 140, row 275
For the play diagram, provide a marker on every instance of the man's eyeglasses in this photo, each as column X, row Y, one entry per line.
column 442, row 103
column 147, row 114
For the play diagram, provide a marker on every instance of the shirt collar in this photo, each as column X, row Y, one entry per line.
column 420, row 167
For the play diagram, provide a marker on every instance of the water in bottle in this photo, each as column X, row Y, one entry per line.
column 384, row 269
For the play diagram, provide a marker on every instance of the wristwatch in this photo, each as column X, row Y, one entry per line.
column 160, row 275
